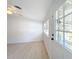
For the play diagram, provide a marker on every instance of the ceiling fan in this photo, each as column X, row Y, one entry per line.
column 14, row 9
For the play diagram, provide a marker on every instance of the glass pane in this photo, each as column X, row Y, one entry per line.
column 68, row 27
column 46, row 27
column 68, row 19
column 60, row 12
column 68, row 23
column 60, row 24
column 68, row 39
column 57, row 24
column 68, row 7
column 60, row 37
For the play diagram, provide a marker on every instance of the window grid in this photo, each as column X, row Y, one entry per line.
column 63, row 31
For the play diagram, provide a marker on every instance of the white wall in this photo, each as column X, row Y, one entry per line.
column 21, row 29
column 54, row 49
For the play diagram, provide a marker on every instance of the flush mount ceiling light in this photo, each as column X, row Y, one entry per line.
column 14, row 9
column 9, row 12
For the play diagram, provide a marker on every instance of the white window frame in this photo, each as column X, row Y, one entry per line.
column 63, row 17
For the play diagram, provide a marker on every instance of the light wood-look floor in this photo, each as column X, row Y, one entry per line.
column 34, row 50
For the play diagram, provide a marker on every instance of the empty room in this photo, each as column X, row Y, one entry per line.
column 39, row 29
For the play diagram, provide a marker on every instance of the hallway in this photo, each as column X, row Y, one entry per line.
column 39, row 29
column 33, row 50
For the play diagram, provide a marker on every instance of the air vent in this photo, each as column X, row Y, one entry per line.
column 18, row 7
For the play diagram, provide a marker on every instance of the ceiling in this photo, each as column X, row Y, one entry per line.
column 35, row 9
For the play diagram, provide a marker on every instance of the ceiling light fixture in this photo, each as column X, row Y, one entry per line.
column 9, row 12
column 14, row 9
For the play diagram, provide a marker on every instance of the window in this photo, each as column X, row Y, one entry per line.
column 60, row 12
column 46, row 27
column 64, row 25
